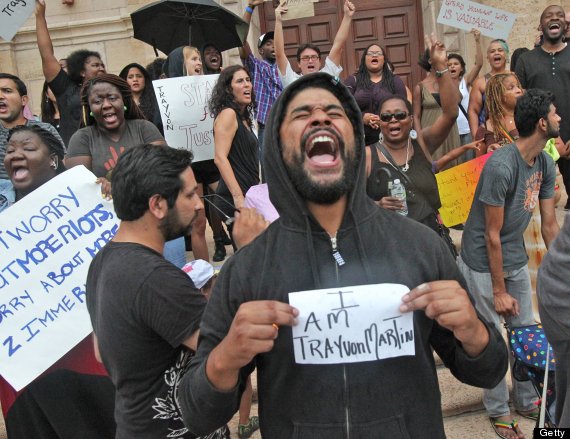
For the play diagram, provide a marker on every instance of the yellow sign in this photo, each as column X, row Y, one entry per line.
column 457, row 188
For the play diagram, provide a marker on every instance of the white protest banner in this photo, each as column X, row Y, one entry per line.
column 47, row 241
column 13, row 14
column 351, row 324
column 187, row 121
column 467, row 15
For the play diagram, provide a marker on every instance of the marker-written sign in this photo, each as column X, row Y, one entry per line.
column 13, row 14
column 187, row 121
column 457, row 188
column 352, row 324
column 47, row 241
column 467, row 15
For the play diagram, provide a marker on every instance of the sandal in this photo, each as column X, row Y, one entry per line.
column 497, row 425
column 246, row 430
column 530, row 414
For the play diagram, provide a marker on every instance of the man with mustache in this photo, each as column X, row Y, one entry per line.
column 331, row 235
column 145, row 312
column 547, row 67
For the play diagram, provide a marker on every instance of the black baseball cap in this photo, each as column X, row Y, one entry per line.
column 263, row 39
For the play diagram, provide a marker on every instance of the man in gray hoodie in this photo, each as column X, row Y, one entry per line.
column 553, row 291
column 331, row 235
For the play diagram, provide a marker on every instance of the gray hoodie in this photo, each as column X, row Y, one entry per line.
column 393, row 398
column 553, row 291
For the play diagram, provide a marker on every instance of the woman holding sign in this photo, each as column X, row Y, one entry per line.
column 405, row 154
column 74, row 396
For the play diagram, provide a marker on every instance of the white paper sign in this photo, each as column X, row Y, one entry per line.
column 352, row 324
column 47, row 241
column 187, row 121
column 13, row 14
column 467, row 15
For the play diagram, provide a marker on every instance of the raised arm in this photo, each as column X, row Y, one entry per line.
column 474, row 72
column 225, row 129
column 278, row 40
column 245, row 50
column 50, row 64
column 449, row 94
column 475, row 104
column 342, row 35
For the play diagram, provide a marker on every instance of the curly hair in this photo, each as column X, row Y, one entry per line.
column 363, row 76
column 494, row 101
column 534, row 105
column 223, row 97
column 47, row 107
column 132, row 112
column 76, row 63
column 460, row 59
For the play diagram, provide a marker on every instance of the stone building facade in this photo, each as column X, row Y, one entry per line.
column 105, row 26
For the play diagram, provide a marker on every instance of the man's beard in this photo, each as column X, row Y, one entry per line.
column 171, row 226
column 326, row 193
column 551, row 131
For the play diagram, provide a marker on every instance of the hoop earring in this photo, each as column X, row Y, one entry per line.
column 413, row 134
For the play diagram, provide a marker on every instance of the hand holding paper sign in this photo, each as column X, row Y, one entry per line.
column 448, row 304
column 253, row 331
column 248, row 225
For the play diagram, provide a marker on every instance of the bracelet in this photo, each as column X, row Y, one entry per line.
column 249, row 9
column 439, row 73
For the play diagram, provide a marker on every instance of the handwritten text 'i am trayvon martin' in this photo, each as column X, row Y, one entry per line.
column 351, row 324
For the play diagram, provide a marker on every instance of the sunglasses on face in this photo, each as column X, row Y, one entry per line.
column 399, row 115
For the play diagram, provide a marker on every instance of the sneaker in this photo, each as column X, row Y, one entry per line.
column 245, row 431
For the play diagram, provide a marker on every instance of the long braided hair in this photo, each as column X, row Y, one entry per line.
column 363, row 77
column 132, row 112
column 494, row 102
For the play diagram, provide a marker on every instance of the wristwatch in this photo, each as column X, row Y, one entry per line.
column 439, row 73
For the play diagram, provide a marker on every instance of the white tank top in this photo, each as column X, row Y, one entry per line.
column 462, row 122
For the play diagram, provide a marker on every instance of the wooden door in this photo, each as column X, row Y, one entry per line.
column 394, row 24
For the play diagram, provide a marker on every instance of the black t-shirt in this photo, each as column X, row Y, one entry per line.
column 69, row 103
column 142, row 308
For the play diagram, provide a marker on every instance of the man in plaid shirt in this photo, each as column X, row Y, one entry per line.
column 264, row 75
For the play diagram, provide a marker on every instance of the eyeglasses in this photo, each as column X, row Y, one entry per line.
column 374, row 53
column 399, row 115
column 310, row 58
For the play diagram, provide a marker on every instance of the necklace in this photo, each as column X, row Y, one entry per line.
column 407, row 165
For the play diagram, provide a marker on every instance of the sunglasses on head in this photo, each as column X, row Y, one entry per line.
column 399, row 115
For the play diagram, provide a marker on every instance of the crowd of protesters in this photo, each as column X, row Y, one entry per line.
column 162, row 364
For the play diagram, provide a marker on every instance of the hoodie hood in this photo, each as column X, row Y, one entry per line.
column 291, row 206
column 174, row 65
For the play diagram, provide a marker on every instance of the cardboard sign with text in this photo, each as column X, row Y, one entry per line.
column 467, row 15
column 47, row 241
column 13, row 14
column 187, row 121
column 352, row 324
column 457, row 188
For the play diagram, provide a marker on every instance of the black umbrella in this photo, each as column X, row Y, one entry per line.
column 167, row 24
